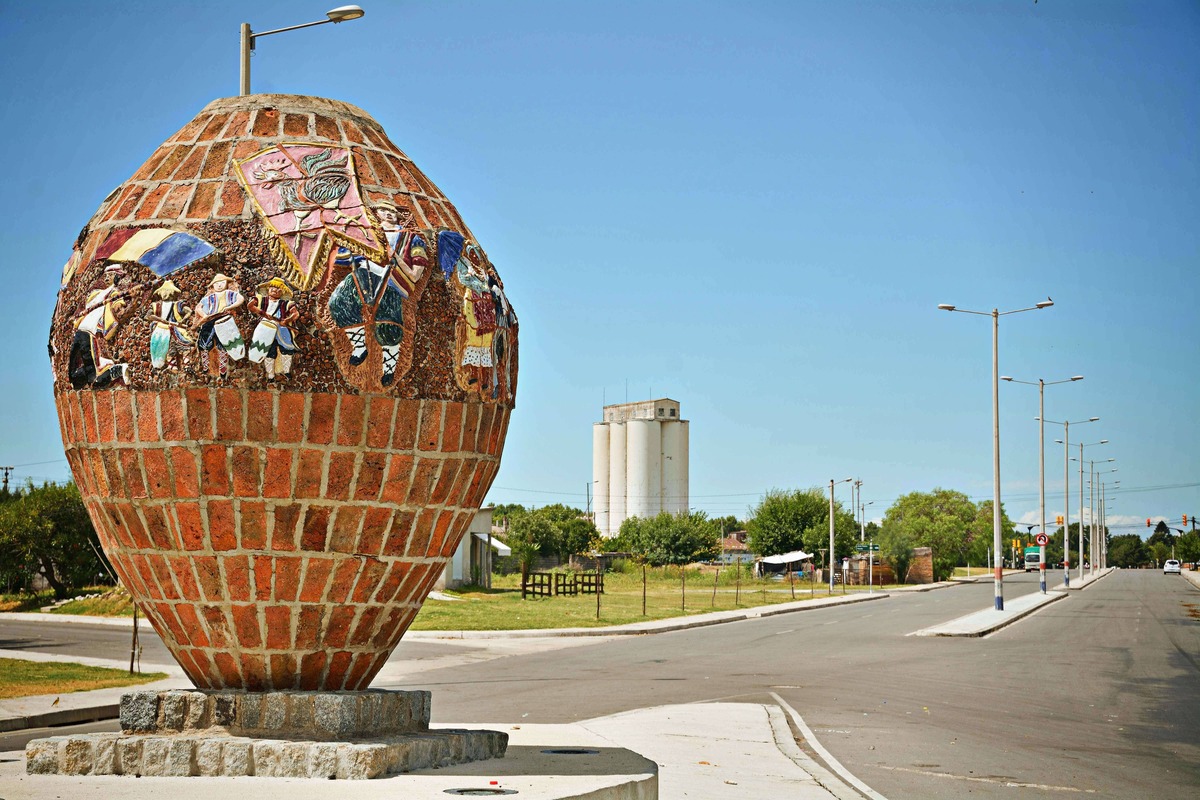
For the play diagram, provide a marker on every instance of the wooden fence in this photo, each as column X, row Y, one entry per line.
column 566, row 584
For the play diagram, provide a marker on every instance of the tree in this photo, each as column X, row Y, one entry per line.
column 574, row 533
column 943, row 520
column 1127, row 550
column 526, row 532
column 1162, row 534
column 47, row 530
column 1187, row 547
column 670, row 538
column 784, row 521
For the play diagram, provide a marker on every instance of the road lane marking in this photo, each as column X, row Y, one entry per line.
column 1011, row 784
column 825, row 755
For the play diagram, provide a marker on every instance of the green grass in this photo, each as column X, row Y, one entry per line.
column 501, row 608
column 24, row 678
column 25, row 602
column 115, row 603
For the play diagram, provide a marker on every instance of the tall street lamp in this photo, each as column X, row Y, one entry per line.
column 1041, row 384
column 1103, row 558
column 996, row 314
column 1065, row 442
column 340, row 14
column 1094, row 497
column 1080, row 460
column 832, row 483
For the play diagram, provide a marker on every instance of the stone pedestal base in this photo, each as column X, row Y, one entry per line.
column 347, row 735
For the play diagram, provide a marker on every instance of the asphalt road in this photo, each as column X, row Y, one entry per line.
column 1097, row 695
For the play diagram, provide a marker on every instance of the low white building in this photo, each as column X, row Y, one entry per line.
column 472, row 561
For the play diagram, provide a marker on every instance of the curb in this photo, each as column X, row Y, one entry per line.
column 1003, row 623
column 67, row 716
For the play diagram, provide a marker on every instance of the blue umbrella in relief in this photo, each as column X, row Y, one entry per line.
column 163, row 251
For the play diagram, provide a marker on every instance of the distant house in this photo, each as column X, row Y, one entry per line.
column 472, row 561
column 734, row 549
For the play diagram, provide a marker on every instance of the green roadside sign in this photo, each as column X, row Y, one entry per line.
column 862, row 548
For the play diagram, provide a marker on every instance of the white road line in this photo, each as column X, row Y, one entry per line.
column 1012, row 784
column 825, row 755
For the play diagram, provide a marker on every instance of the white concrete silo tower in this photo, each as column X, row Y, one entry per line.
column 639, row 462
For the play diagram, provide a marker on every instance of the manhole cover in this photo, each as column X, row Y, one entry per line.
column 571, row 751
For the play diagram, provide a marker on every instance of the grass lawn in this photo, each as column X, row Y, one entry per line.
column 109, row 604
column 501, row 608
column 24, row 678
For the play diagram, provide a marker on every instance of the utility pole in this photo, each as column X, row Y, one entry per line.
column 7, row 470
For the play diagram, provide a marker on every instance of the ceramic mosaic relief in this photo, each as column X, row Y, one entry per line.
column 284, row 370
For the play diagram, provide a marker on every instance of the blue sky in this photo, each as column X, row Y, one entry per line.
column 753, row 208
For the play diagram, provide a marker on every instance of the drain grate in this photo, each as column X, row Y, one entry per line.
column 480, row 792
column 571, row 751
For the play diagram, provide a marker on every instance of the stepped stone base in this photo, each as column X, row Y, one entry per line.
column 346, row 735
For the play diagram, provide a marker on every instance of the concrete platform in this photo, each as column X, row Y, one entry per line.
column 981, row 623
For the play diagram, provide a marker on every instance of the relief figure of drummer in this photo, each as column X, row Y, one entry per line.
column 218, row 334
column 274, row 342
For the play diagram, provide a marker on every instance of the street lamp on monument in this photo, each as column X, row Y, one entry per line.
column 832, row 483
column 1041, row 384
column 339, row 14
column 996, row 314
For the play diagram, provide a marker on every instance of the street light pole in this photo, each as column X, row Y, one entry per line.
column 832, row 483
column 1041, row 384
column 340, row 14
column 995, row 314
column 1066, row 443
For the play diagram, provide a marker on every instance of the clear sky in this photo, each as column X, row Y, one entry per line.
column 751, row 207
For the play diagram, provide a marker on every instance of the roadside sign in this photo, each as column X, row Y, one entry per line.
column 1042, row 539
column 862, row 548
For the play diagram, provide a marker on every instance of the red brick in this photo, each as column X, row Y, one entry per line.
column 316, row 576
column 327, row 129
column 362, row 669
column 88, row 412
column 399, row 476
column 104, row 417
column 308, row 628
column 214, row 479
column 343, row 581
column 499, row 431
column 295, row 124
column 362, row 166
column 431, row 425
column 452, row 428
column 158, row 477
column 316, row 528
column 199, row 414
column 157, row 528
column 350, row 420
column 191, row 526
column 422, row 531
column 260, row 417
column 379, row 421
column 396, row 542
column 190, row 168
column 233, row 199
column 170, row 408
column 279, row 627
column 341, row 475
column 247, row 147
column 152, row 200
column 237, row 577
column 370, row 476
column 374, row 529
column 162, row 572
column 254, row 672
column 266, row 122
column 130, row 203
column 168, row 164
column 162, row 613
column 264, row 570
column 253, row 524
column 404, row 432
column 186, row 472
column 145, row 574
column 291, row 417
column 344, row 538
column 335, row 678
column 134, row 481
column 147, row 416
column 229, row 416
column 209, row 576
column 337, row 630
column 125, row 429
column 351, row 131
column 284, row 673
column 389, row 632
column 422, row 482
column 286, row 570
column 487, row 414
column 129, row 524
column 237, row 126
column 364, row 629
column 312, row 670
column 151, row 163
column 463, row 482
column 213, row 128
column 321, row 418
column 219, row 631
column 277, row 478
column 396, row 573
column 188, row 132
column 245, row 622
column 202, row 201
column 113, row 474
column 247, row 477
column 308, row 474
column 441, row 532
column 227, row 668
column 374, row 137
column 221, row 527
column 283, row 529
column 176, row 201
column 445, row 481
column 387, row 176
column 191, row 623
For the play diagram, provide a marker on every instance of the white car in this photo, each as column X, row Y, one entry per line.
column 1170, row 566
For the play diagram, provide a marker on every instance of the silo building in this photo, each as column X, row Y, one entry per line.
column 639, row 462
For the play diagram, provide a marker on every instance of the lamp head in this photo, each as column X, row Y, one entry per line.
column 1076, row 377
column 1094, row 419
column 1045, row 303
column 945, row 307
column 1005, row 378
column 344, row 13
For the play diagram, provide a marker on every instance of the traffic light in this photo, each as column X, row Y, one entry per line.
column 1147, row 522
column 1058, row 520
column 1185, row 519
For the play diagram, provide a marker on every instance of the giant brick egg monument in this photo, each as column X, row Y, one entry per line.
column 283, row 370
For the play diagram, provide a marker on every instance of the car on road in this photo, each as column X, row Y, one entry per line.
column 1170, row 566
